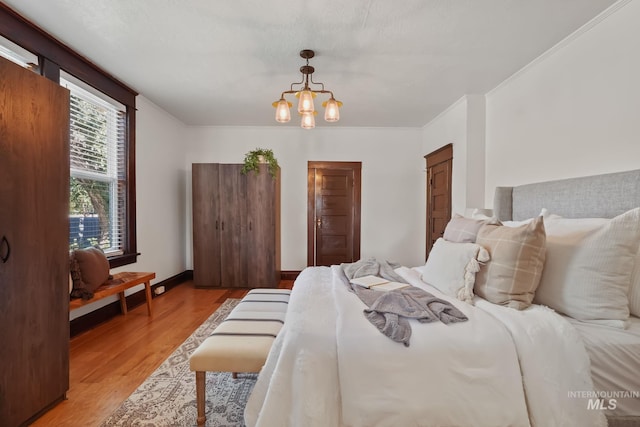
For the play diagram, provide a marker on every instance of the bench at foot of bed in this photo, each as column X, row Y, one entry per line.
column 242, row 341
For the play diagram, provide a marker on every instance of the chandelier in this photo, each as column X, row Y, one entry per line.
column 305, row 95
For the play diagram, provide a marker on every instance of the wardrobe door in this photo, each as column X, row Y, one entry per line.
column 263, row 226
column 34, row 236
column 206, row 224
column 232, row 189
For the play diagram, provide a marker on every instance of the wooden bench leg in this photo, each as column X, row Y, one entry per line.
column 234, row 375
column 147, row 291
column 123, row 302
column 201, row 380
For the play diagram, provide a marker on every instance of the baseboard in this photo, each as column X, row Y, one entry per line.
column 284, row 275
column 289, row 275
column 94, row 318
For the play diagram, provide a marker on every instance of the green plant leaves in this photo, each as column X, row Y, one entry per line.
column 252, row 160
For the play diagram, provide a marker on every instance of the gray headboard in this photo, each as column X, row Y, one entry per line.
column 597, row 196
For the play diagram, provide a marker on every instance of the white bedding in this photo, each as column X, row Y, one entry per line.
column 298, row 385
column 330, row 367
column 384, row 383
column 615, row 356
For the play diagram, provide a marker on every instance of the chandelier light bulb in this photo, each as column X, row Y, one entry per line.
column 283, row 114
column 308, row 121
column 332, row 110
column 305, row 105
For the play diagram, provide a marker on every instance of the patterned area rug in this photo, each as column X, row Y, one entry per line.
column 168, row 396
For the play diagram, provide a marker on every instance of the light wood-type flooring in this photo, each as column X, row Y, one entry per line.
column 108, row 362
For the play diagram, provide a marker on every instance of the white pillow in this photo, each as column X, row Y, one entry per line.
column 480, row 214
column 634, row 291
column 452, row 267
column 544, row 213
column 588, row 268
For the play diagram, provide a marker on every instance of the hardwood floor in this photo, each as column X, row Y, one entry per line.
column 109, row 362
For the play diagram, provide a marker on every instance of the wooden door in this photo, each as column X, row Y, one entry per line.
column 262, row 248
column 206, row 224
column 233, row 266
column 439, row 172
column 34, row 236
column 333, row 212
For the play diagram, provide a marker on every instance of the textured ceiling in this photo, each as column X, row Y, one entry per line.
column 392, row 63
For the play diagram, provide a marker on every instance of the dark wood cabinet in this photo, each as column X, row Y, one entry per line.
column 236, row 226
column 34, row 236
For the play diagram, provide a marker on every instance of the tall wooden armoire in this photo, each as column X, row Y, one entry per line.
column 236, row 226
column 34, row 244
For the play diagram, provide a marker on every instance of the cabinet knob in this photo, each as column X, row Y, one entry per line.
column 5, row 249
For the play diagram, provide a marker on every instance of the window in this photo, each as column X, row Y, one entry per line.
column 103, row 117
column 18, row 55
column 98, row 181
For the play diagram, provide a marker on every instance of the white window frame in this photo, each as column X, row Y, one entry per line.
column 89, row 94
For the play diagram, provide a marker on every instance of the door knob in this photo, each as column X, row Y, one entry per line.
column 319, row 222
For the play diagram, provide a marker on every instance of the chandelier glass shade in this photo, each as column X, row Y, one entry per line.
column 305, row 104
column 331, row 110
column 305, row 96
column 308, row 120
column 283, row 114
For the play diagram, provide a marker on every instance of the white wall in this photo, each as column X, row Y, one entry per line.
column 463, row 125
column 575, row 111
column 393, row 207
column 160, row 194
column 476, row 147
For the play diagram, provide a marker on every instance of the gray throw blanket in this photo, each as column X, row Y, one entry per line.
column 390, row 311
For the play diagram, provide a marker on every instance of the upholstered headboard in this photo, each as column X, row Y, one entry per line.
column 597, row 196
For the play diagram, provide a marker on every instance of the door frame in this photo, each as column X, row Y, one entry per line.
column 356, row 167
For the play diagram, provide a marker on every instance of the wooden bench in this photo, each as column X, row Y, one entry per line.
column 241, row 343
column 117, row 285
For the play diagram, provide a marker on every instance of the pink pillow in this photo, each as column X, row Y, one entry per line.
column 463, row 230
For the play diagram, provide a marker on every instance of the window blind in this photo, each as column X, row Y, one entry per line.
column 98, row 170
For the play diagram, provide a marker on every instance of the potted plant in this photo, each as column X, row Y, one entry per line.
column 260, row 155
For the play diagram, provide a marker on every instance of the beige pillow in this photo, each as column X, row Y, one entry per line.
column 517, row 254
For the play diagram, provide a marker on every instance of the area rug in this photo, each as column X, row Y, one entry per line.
column 168, row 396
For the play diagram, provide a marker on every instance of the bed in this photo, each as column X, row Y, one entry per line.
column 533, row 366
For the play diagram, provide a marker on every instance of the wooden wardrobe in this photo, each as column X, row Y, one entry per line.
column 34, row 244
column 236, row 226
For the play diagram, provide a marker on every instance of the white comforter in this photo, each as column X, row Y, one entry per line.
column 330, row 367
